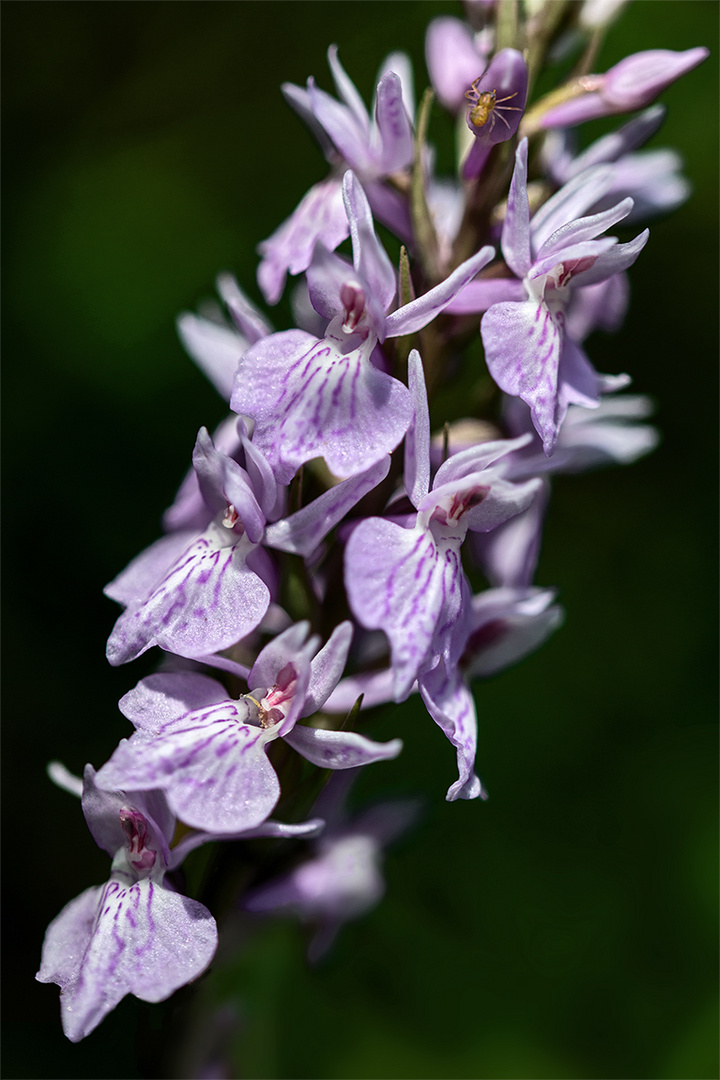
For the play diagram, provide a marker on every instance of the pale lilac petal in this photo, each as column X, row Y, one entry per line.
column 451, row 706
column 393, row 125
column 617, row 144
column 224, row 483
column 452, row 59
column 482, row 293
column 210, row 763
column 509, row 554
column 302, row 531
column 398, row 581
column 401, row 64
column 522, row 349
column 162, row 698
column 418, row 313
column 578, row 110
column 391, row 208
column 609, row 434
column 583, row 229
column 320, row 215
column 146, row 941
column 290, row 646
column 206, row 601
column 138, row 579
column 326, row 276
column 264, row 486
column 249, row 320
column 602, row 306
column 636, row 80
column 377, row 688
column 102, row 810
column 216, row 349
column 300, row 100
column 327, row 667
column 503, row 501
column 508, row 625
column 557, row 270
column 189, row 510
column 304, row 830
column 616, row 259
column 578, row 381
column 417, row 438
column 370, row 259
column 340, row 749
column 348, row 134
column 570, row 202
column 329, row 401
column 476, row 458
column 64, row 779
column 347, row 90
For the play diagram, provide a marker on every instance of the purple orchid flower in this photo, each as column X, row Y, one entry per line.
column 651, row 178
column 325, row 398
column 197, row 594
column 631, row 84
column 409, row 581
column 497, row 102
column 133, row 935
column 208, row 753
column 373, row 147
column 528, row 351
column 342, row 879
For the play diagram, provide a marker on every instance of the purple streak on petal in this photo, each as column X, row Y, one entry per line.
column 304, row 530
column 168, row 941
column 522, row 348
column 162, row 698
column 330, row 402
column 418, row 313
column 210, row 763
column 139, row 577
column 340, row 749
column 206, row 601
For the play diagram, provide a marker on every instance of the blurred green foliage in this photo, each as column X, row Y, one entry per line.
column 567, row 927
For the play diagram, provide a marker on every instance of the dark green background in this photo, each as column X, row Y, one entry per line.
column 565, row 928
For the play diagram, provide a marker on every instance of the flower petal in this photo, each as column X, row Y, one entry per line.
column 451, row 706
column 340, row 749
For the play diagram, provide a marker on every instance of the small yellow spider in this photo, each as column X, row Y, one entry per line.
column 487, row 106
